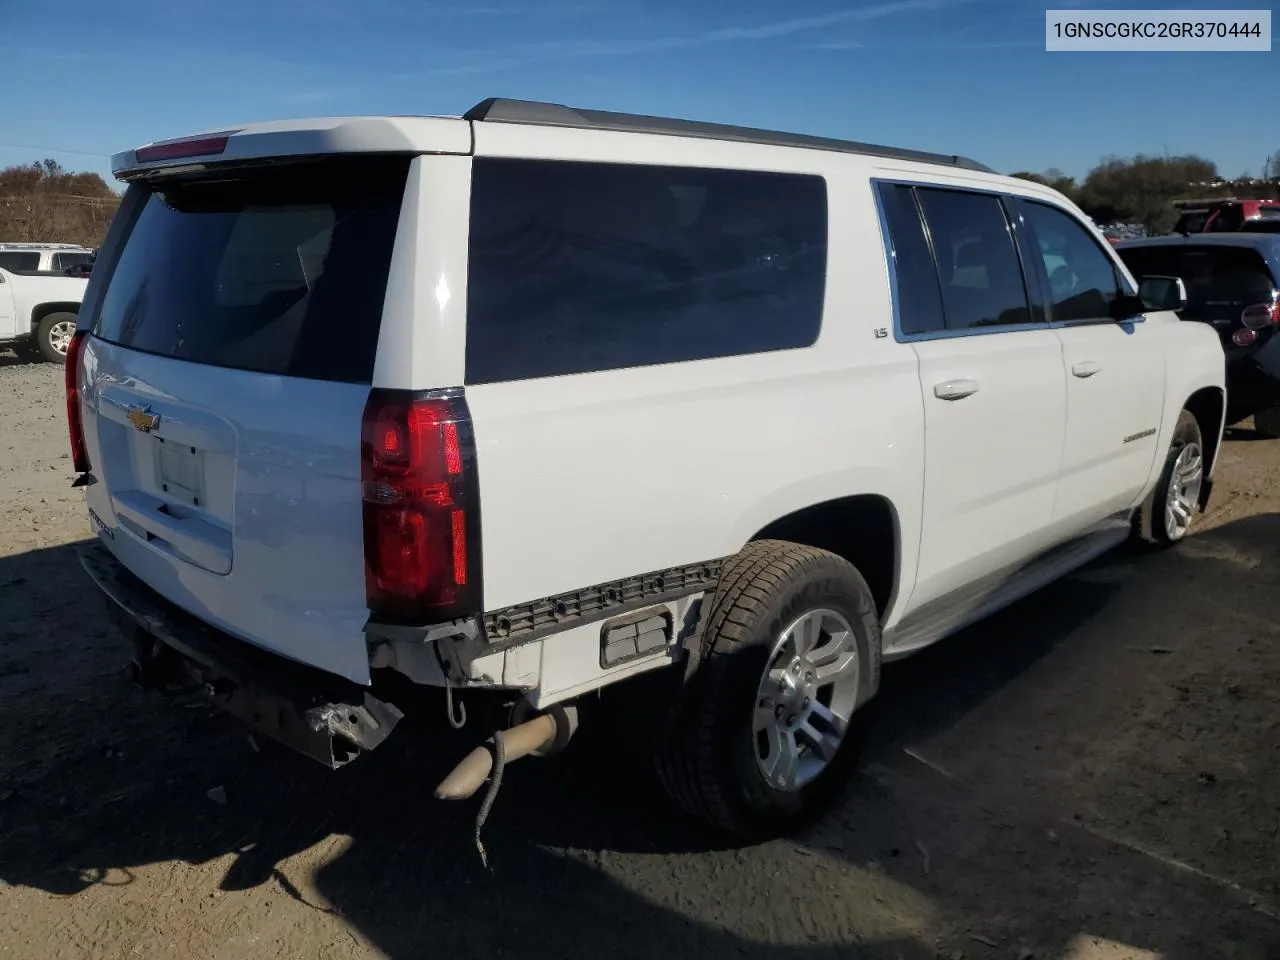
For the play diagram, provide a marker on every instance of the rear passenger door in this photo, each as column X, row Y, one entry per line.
column 1114, row 370
column 991, row 379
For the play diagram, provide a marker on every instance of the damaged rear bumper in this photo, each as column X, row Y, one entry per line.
column 323, row 716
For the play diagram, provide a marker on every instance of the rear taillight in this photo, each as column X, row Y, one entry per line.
column 421, row 507
column 75, row 424
column 1259, row 315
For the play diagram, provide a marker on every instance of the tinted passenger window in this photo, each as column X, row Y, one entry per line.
column 1082, row 278
column 279, row 271
column 1228, row 220
column 982, row 282
column 19, row 262
column 919, row 299
column 65, row 261
column 575, row 267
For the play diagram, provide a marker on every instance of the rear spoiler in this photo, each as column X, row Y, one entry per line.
column 266, row 142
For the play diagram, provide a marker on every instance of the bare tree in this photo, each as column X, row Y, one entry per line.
column 41, row 202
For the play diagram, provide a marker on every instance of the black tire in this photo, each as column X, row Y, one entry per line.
column 1266, row 422
column 1150, row 522
column 707, row 763
column 43, row 345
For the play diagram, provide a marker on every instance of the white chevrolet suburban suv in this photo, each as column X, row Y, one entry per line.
column 530, row 402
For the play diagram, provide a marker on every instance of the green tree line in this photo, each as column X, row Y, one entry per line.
column 1142, row 189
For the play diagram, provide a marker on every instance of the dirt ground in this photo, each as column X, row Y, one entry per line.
column 1094, row 773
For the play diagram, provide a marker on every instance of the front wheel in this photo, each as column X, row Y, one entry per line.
column 776, row 715
column 1165, row 516
column 53, row 336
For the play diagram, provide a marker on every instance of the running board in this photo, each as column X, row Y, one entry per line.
column 950, row 614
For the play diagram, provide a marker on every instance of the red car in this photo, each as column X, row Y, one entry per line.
column 1223, row 215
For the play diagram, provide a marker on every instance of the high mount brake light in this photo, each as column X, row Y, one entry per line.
column 79, row 451
column 421, row 507
column 181, row 149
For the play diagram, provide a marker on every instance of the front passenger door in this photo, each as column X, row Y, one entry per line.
column 1114, row 371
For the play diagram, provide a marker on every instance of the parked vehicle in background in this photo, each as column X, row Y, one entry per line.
column 54, row 258
column 1223, row 215
column 38, row 313
column 1119, row 232
column 526, row 403
column 1233, row 284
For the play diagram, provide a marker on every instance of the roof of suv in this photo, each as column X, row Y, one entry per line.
column 440, row 134
column 495, row 110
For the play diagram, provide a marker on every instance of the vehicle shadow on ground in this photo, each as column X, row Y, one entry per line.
column 97, row 778
column 1243, row 434
column 13, row 358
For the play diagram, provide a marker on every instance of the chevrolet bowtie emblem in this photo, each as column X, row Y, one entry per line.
column 144, row 419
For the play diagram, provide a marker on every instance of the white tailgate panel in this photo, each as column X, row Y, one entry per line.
column 273, row 551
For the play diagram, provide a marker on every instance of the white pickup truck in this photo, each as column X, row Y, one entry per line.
column 525, row 403
column 38, row 312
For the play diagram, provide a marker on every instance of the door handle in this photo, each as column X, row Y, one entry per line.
column 955, row 389
column 1085, row 368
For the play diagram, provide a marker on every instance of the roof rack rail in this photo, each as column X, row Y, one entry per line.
column 41, row 246
column 556, row 115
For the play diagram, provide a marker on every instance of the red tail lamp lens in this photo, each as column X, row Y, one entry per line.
column 75, row 424
column 420, row 503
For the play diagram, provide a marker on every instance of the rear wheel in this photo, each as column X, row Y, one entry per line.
column 53, row 336
column 1165, row 516
column 776, row 716
column 1267, row 422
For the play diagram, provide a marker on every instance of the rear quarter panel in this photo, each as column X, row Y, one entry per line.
column 587, row 478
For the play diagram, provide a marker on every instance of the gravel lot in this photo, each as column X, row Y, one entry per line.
column 1094, row 773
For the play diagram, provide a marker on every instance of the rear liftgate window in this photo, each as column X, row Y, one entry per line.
column 578, row 267
column 278, row 270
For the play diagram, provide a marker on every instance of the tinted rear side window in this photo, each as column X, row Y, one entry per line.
column 982, row 282
column 578, row 267
column 19, row 262
column 280, row 271
column 64, row 261
column 1190, row 223
column 919, row 297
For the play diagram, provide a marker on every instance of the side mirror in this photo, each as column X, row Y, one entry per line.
column 1162, row 293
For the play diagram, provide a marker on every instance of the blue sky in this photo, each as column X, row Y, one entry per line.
column 957, row 76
